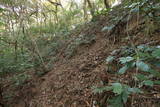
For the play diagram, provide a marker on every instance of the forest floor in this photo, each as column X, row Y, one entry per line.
column 69, row 83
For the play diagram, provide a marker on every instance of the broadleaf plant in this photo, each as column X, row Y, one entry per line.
column 143, row 61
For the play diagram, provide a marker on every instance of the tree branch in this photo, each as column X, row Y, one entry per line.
column 55, row 3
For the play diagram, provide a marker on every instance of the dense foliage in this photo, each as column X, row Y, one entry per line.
column 141, row 62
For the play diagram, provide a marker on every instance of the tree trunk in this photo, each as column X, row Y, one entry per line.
column 85, row 10
column 106, row 4
column 1, row 97
column 91, row 7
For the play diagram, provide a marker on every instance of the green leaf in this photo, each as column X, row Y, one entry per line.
column 101, row 89
column 110, row 58
column 117, row 88
column 157, row 82
column 134, row 90
column 144, row 55
column 142, row 66
column 125, row 95
column 141, row 77
column 156, row 63
column 116, row 101
column 148, row 83
column 136, row 9
column 134, row 5
column 124, row 60
column 108, row 28
column 1, row 9
column 154, row 72
column 1, row 23
column 141, row 47
column 156, row 53
column 150, row 15
column 123, row 69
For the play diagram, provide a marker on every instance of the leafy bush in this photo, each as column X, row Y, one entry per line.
column 9, row 64
column 121, row 91
column 144, row 62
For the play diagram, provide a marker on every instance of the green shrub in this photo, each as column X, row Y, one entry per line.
column 144, row 62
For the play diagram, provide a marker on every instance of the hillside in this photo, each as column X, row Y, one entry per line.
column 81, row 65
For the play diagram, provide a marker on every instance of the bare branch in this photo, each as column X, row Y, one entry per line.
column 55, row 3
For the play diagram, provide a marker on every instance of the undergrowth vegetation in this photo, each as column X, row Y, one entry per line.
column 142, row 63
column 33, row 40
column 137, row 67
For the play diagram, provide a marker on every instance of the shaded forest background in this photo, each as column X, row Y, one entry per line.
column 28, row 29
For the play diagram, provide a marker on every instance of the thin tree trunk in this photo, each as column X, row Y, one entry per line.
column 91, row 7
column 106, row 4
column 1, row 97
column 85, row 10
